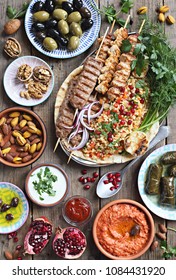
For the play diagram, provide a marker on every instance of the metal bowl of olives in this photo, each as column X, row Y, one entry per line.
column 62, row 28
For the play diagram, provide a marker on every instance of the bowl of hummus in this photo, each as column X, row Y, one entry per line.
column 123, row 229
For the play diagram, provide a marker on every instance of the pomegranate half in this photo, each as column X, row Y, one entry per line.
column 69, row 243
column 38, row 236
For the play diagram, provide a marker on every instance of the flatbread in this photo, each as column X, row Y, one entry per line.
column 116, row 158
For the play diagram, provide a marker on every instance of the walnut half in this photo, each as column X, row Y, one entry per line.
column 12, row 47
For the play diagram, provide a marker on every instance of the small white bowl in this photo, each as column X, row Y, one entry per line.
column 61, row 186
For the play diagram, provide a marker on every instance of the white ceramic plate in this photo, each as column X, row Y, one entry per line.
column 151, row 201
column 61, row 186
column 20, row 213
column 13, row 86
column 86, row 40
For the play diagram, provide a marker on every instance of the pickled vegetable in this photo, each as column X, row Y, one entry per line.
column 49, row 6
column 51, row 23
column 85, row 13
column 62, row 41
column 68, row 7
column 154, row 174
column 63, row 27
column 50, row 44
column 172, row 170
column 38, row 6
column 38, row 26
column 77, row 4
column 53, row 33
column 75, row 29
column 74, row 17
column 169, row 158
column 73, row 43
column 86, row 24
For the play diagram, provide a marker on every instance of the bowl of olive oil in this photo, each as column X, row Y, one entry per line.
column 14, row 208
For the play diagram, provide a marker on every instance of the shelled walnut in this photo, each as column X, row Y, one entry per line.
column 12, row 47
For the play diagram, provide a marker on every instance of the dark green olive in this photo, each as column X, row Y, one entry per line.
column 40, row 36
column 77, row 4
column 74, row 17
column 60, row 14
column 86, row 24
column 38, row 26
column 1, row 202
column 75, row 29
column 9, row 217
column 50, row 44
column 38, row 6
column 63, row 42
column 59, row 2
column 41, row 16
column 51, row 23
column 14, row 202
column 53, row 33
column 68, row 7
column 73, row 43
column 63, row 27
column 49, row 6
column 85, row 13
column 5, row 207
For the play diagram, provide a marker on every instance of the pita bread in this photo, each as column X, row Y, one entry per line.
column 116, row 158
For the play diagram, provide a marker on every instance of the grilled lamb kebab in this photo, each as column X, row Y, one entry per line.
column 86, row 82
column 107, row 72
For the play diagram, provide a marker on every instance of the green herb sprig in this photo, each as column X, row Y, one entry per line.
column 169, row 251
column 112, row 14
column 45, row 181
column 13, row 13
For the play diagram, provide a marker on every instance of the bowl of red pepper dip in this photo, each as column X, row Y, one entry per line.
column 77, row 210
column 123, row 229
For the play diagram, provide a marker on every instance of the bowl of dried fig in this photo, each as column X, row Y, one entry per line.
column 23, row 137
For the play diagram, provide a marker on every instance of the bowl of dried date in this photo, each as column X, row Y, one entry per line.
column 22, row 137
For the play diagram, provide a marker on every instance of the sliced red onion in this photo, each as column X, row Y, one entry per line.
column 85, row 124
column 93, row 116
column 85, row 138
column 75, row 132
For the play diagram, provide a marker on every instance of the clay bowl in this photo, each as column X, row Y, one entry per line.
column 41, row 134
column 150, row 235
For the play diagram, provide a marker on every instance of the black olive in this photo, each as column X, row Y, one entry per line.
column 51, row 23
column 49, row 6
column 40, row 36
column 86, row 24
column 1, row 202
column 85, row 13
column 77, row 4
column 62, row 41
column 38, row 6
column 9, row 217
column 53, row 33
column 5, row 207
column 38, row 26
column 68, row 7
column 14, row 202
column 135, row 230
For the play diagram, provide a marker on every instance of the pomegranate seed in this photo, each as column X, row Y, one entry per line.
column 111, row 188
column 116, row 186
column 86, row 187
column 15, row 239
column 129, row 122
column 95, row 174
column 19, row 258
column 114, row 177
column 106, row 182
column 121, row 107
column 109, row 175
column 118, row 179
column 18, row 247
column 122, row 122
column 110, row 134
column 97, row 132
column 92, row 180
column 110, row 139
column 132, row 110
column 137, row 90
column 84, row 181
column 81, row 179
column 117, row 174
column 88, row 179
column 114, row 182
column 142, row 100
column 122, row 89
column 128, row 114
column 131, row 102
column 132, row 95
column 12, row 235
column 130, row 87
column 111, row 179
column 84, row 171
column 135, row 106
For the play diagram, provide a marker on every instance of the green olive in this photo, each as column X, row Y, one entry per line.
column 59, row 2
column 50, row 44
column 41, row 16
column 60, row 14
column 75, row 29
column 73, row 43
column 74, row 17
column 63, row 27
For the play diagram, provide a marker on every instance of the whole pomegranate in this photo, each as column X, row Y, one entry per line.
column 69, row 243
column 38, row 236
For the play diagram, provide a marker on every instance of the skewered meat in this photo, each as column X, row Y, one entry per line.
column 86, row 82
column 105, row 47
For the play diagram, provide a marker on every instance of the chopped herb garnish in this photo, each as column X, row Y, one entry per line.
column 45, row 181
column 14, row 13
column 126, row 46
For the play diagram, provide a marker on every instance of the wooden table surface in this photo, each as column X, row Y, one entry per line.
column 17, row 176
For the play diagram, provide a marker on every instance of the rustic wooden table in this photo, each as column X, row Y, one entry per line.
column 17, row 176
